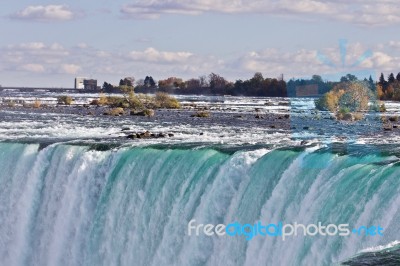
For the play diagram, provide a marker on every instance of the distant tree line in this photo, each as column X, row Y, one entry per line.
column 389, row 89
column 214, row 84
column 315, row 85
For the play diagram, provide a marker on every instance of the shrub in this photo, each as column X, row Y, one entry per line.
column 382, row 108
column 163, row 100
column 116, row 101
column 344, row 110
column 355, row 98
column 173, row 104
column 145, row 99
column 347, row 99
column 348, row 117
column 358, row 116
column 202, row 114
column 11, row 103
column 36, row 104
column 376, row 107
column 346, row 114
column 145, row 112
column 102, row 99
column 148, row 112
column 67, row 100
column 352, row 95
column 115, row 111
column 329, row 101
column 94, row 102
column 134, row 102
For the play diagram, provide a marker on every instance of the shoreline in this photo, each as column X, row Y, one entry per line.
column 287, row 122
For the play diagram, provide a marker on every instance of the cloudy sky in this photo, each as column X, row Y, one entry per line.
column 48, row 43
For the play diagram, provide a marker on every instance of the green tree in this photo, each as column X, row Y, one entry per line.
column 193, row 84
column 203, row 81
column 348, row 77
column 216, row 81
column 127, row 82
column 390, row 91
column 382, row 80
column 355, row 98
column 371, row 82
column 149, row 82
column 351, row 96
column 317, row 78
column 396, row 93
column 257, row 78
column 391, row 78
column 256, row 83
column 107, row 87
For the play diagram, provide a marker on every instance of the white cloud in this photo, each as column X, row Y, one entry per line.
column 70, row 69
column 394, row 44
column 381, row 59
column 82, row 45
column 154, row 56
column 367, row 12
column 273, row 62
column 36, row 57
column 143, row 40
column 37, row 68
column 38, row 49
column 44, row 60
column 304, row 63
column 103, row 54
column 32, row 46
column 45, row 13
column 153, row 11
column 56, row 47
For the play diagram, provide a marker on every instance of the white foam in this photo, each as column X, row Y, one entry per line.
column 381, row 247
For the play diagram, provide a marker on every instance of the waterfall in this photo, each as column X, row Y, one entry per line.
column 74, row 205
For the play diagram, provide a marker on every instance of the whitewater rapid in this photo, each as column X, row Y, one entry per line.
column 67, row 204
column 232, row 121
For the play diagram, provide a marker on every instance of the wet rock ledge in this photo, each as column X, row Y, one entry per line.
column 148, row 135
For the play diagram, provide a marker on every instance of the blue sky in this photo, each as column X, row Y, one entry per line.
column 48, row 43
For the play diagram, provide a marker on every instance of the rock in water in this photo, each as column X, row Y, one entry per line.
column 145, row 112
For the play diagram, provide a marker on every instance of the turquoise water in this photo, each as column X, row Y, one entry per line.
column 381, row 255
column 74, row 205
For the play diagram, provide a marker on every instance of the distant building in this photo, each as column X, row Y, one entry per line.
column 79, row 83
column 307, row 90
column 85, row 83
column 90, row 84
